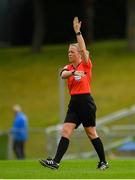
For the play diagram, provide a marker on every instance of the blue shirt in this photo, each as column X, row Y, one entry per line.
column 20, row 127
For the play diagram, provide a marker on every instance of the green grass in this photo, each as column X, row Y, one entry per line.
column 32, row 80
column 69, row 169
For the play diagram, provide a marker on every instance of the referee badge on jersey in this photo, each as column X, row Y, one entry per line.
column 77, row 78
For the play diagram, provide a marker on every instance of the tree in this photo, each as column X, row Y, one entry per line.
column 39, row 25
column 88, row 15
column 131, row 25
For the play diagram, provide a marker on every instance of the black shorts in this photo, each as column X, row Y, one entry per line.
column 81, row 110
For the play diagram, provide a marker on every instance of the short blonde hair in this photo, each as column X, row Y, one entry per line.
column 76, row 45
column 17, row 108
column 78, row 48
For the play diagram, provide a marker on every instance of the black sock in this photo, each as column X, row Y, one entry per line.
column 97, row 143
column 62, row 147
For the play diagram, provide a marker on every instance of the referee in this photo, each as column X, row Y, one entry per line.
column 81, row 108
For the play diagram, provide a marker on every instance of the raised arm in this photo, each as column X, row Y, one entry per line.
column 80, row 40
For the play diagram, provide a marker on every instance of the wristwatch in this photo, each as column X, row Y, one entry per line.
column 73, row 72
column 78, row 33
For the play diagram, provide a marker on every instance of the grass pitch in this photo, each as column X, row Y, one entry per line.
column 69, row 169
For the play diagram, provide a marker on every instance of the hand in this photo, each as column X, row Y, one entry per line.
column 76, row 24
column 80, row 73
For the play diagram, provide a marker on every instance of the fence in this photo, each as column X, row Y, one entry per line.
column 114, row 129
column 113, row 135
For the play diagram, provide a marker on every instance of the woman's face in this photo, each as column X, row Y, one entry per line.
column 73, row 54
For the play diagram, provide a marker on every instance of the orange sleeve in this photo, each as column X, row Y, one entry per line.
column 64, row 69
column 89, row 63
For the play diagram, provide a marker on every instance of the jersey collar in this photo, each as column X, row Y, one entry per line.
column 76, row 66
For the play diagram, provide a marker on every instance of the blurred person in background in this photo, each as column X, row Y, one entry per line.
column 19, row 132
column 82, row 108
